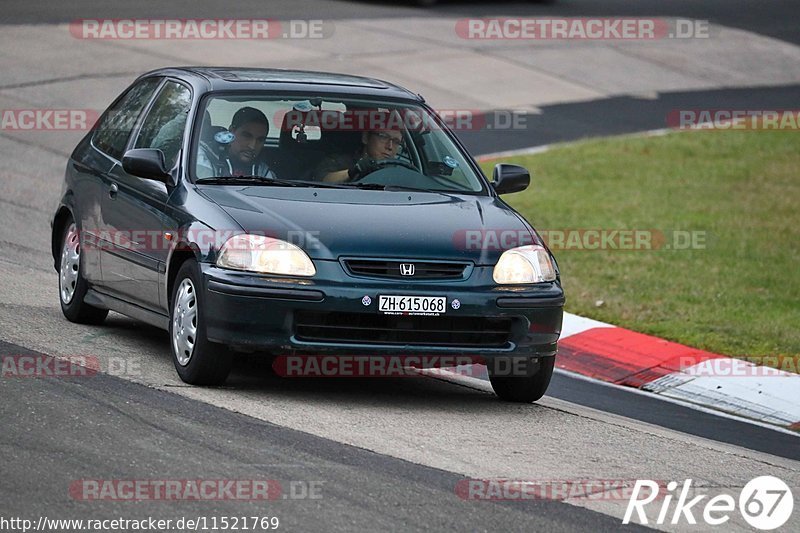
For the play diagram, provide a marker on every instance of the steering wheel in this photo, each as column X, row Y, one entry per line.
column 383, row 163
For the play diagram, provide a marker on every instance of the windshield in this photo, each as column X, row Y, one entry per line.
column 328, row 141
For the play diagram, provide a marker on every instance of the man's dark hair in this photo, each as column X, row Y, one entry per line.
column 246, row 115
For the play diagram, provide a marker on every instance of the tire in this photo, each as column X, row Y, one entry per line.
column 197, row 360
column 72, row 286
column 521, row 388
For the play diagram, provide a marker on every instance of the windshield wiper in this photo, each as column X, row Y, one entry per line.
column 366, row 186
column 347, row 185
column 451, row 194
column 250, row 180
column 393, row 188
column 259, row 180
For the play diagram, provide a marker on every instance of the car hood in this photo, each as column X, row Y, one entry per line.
column 333, row 223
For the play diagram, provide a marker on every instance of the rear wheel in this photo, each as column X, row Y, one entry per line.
column 197, row 360
column 72, row 286
column 520, row 381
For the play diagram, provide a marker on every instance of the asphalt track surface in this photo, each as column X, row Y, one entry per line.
column 59, row 430
column 778, row 18
column 621, row 115
column 77, row 428
column 553, row 123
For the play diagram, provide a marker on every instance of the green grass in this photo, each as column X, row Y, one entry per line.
column 739, row 296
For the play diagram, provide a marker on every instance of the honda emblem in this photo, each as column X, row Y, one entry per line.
column 407, row 269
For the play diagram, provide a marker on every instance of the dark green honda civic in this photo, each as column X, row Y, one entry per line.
column 305, row 215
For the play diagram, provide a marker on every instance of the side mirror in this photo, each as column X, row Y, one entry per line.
column 510, row 178
column 146, row 163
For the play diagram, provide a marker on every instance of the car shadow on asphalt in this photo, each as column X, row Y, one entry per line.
column 254, row 374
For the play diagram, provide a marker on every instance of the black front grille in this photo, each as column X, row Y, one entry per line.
column 466, row 332
column 394, row 269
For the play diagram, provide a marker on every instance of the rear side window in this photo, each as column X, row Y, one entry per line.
column 111, row 135
column 165, row 122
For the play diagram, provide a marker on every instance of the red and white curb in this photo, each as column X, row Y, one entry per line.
column 599, row 352
column 623, row 357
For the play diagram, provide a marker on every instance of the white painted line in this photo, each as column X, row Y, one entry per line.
column 547, row 147
column 485, row 386
column 522, row 151
column 574, row 324
column 678, row 401
column 458, row 379
column 737, row 386
column 766, row 394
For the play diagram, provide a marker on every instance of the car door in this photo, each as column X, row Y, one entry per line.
column 93, row 159
column 133, row 210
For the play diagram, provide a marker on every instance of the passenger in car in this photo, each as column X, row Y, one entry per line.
column 236, row 154
column 377, row 145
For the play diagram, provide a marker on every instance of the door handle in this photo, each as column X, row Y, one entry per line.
column 112, row 191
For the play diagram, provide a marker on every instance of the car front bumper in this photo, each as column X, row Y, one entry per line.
column 255, row 312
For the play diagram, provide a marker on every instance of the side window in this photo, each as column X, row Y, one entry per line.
column 165, row 123
column 111, row 135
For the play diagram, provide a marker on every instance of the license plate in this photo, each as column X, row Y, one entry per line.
column 412, row 305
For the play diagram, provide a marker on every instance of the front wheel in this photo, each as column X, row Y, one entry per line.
column 197, row 360
column 520, row 380
column 72, row 286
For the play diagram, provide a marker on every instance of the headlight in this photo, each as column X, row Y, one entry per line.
column 266, row 255
column 526, row 264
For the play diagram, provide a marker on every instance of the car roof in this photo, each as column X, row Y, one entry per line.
column 273, row 79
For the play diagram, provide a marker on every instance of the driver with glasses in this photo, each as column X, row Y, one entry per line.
column 377, row 145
